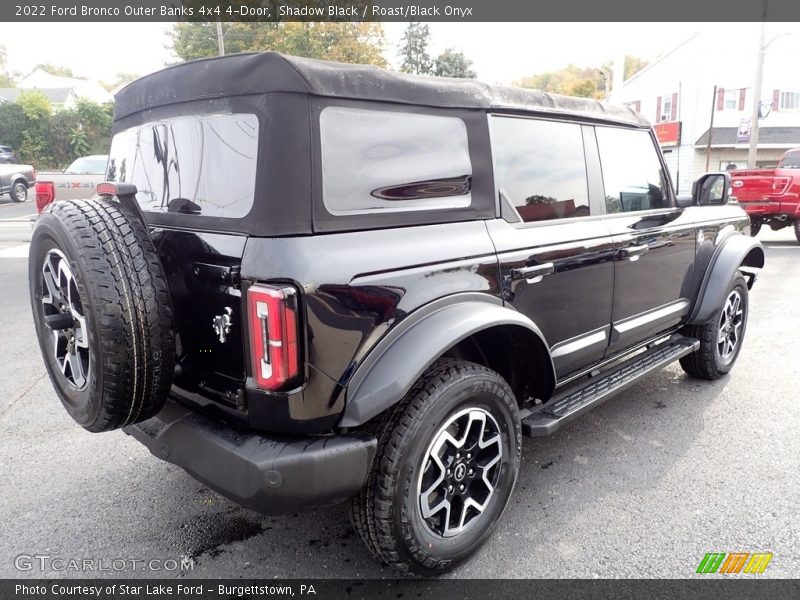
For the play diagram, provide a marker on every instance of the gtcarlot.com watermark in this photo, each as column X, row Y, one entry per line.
column 47, row 563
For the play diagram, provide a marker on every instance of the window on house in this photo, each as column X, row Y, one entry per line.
column 789, row 100
column 731, row 100
column 666, row 108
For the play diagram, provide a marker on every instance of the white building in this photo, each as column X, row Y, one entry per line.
column 82, row 88
column 676, row 94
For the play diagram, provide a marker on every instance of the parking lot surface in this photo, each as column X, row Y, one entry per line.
column 642, row 486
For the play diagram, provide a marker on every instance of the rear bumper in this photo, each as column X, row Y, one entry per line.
column 788, row 205
column 269, row 474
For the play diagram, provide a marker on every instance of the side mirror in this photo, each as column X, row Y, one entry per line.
column 684, row 201
column 712, row 189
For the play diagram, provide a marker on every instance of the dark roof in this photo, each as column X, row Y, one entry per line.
column 262, row 72
column 54, row 95
column 726, row 136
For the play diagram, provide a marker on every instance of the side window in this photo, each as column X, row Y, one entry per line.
column 632, row 173
column 540, row 167
column 374, row 160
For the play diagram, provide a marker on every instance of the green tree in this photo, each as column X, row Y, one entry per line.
column 414, row 50
column 12, row 124
column 50, row 141
column 341, row 41
column 6, row 80
column 34, row 104
column 453, row 64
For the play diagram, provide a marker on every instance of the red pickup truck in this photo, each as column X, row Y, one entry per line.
column 771, row 196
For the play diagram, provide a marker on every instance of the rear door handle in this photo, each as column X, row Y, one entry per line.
column 533, row 274
column 634, row 252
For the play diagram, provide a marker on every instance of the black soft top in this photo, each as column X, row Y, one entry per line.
column 264, row 72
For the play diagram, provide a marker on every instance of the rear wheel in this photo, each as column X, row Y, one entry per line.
column 102, row 313
column 721, row 338
column 446, row 464
column 19, row 193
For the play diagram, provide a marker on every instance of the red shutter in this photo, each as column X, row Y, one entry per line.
column 742, row 95
column 776, row 100
column 720, row 98
column 674, row 107
column 658, row 109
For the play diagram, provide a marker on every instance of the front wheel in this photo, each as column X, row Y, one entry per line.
column 447, row 460
column 797, row 229
column 721, row 338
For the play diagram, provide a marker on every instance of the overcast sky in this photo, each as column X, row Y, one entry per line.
column 501, row 52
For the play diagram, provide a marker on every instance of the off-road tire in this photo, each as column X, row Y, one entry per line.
column 125, row 302
column 19, row 192
column 706, row 362
column 386, row 513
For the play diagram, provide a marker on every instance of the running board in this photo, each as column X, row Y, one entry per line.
column 573, row 403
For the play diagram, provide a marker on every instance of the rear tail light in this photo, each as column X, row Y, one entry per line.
column 274, row 347
column 779, row 184
column 45, row 193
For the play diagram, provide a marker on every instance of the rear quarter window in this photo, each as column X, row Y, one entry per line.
column 197, row 165
column 378, row 161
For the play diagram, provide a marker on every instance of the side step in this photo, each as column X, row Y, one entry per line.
column 574, row 402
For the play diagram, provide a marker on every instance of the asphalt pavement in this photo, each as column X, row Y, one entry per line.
column 642, row 486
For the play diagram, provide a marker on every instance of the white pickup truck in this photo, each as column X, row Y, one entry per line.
column 15, row 181
column 76, row 182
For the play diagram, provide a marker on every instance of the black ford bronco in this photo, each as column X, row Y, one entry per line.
column 308, row 283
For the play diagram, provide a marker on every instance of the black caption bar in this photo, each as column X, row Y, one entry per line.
column 395, row 10
column 451, row 589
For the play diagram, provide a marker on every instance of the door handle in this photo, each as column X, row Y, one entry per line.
column 533, row 274
column 634, row 252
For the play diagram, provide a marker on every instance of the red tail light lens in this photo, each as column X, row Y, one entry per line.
column 274, row 348
column 45, row 193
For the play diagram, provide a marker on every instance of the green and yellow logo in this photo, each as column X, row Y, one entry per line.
column 734, row 562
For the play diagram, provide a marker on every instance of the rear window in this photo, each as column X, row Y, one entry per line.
column 790, row 161
column 88, row 166
column 198, row 165
column 374, row 160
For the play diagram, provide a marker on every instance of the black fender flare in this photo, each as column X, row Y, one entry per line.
column 398, row 360
column 735, row 251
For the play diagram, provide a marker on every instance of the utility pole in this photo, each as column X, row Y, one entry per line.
column 221, row 40
column 711, row 128
column 751, row 153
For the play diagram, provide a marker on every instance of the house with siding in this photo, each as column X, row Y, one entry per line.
column 699, row 97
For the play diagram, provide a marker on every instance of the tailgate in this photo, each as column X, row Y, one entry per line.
column 757, row 185
column 202, row 270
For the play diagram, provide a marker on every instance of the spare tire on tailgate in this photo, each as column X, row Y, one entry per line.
column 102, row 312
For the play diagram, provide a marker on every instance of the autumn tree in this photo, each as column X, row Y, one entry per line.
column 586, row 82
column 340, row 41
column 453, row 64
column 414, row 50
